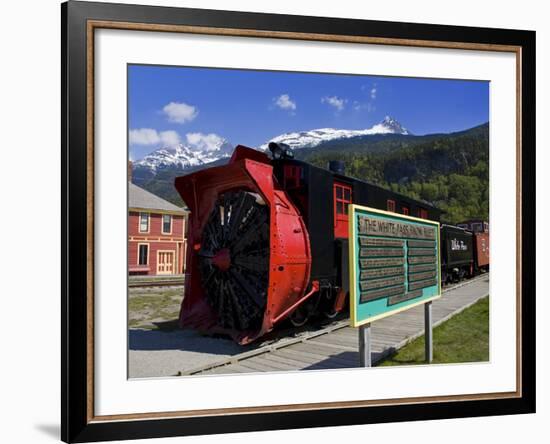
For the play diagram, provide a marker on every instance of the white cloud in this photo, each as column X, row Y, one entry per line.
column 169, row 138
column 335, row 101
column 284, row 102
column 179, row 112
column 144, row 136
column 358, row 106
column 372, row 90
column 149, row 136
column 204, row 142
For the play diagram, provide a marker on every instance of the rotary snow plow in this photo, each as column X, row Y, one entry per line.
column 249, row 257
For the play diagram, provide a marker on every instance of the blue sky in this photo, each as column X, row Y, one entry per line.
column 199, row 105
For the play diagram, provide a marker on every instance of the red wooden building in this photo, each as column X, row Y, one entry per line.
column 156, row 234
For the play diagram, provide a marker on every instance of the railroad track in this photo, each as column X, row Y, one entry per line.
column 336, row 345
column 179, row 282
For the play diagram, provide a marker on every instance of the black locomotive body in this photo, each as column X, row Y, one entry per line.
column 457, row 253
column 323, row 196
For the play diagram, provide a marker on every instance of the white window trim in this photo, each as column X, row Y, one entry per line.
column 148, row 222
column 162, row 224
column 148, row 254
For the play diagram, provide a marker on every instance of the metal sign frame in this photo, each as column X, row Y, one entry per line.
column 356, row 319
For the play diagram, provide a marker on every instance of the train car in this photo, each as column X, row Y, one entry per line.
column 480, row 228
column 475, row 225
column 268, row 240
column 457, row 253
column 481, row 252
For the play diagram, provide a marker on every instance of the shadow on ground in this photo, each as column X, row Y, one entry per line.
column 168, row 336
column 182, row 340
column 345, row 359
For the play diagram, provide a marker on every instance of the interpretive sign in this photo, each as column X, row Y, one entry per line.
column 394, row 263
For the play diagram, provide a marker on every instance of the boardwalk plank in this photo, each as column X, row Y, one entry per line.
column 274, row 364
column 303, row 357
column 336, row 339
column 325, row 361
column 317, row 353
column 254, row 365
column 283, row 359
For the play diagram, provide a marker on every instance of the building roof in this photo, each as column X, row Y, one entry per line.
column 139, row 198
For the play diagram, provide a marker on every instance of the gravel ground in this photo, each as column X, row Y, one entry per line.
column 157, row 347
column 156, row 353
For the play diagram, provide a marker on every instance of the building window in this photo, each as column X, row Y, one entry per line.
column 422, row 213
column 143, row 254
column 166, row 224
column 342, row 198
column 390, row 205
column 143, row 222
column 405, row 210
column 477, row 227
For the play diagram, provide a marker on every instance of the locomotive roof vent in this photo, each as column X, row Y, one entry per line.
column 337, row 166
column 280, row 150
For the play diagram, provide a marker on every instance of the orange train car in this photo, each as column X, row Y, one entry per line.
column 480, row 228
column 481, row 251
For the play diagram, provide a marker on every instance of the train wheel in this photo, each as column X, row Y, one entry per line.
column 303, row 313
column 330, row 314
column 299, row 317
column 329, row 304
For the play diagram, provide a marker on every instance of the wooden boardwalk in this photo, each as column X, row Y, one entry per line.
column 338, row 347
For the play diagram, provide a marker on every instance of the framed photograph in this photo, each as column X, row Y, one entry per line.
column 275, row 221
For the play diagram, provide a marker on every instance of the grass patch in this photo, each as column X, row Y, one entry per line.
column 154, row 310
column 463, row 338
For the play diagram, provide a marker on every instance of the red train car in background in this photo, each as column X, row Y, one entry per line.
column 480, row 228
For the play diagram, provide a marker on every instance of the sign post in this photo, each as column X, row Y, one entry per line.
column 394, row 265
column 365, row 355
column 428, row 338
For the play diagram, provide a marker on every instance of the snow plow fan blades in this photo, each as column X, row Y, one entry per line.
column 234, row 259
column 248, row 261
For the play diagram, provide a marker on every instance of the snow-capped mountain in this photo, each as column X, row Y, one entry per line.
column 206, row 150
column 184, row 156
column 313, row 138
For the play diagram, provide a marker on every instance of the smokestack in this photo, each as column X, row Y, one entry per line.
column 337, row 166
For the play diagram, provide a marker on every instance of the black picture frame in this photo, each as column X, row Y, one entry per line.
column 77, row 424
